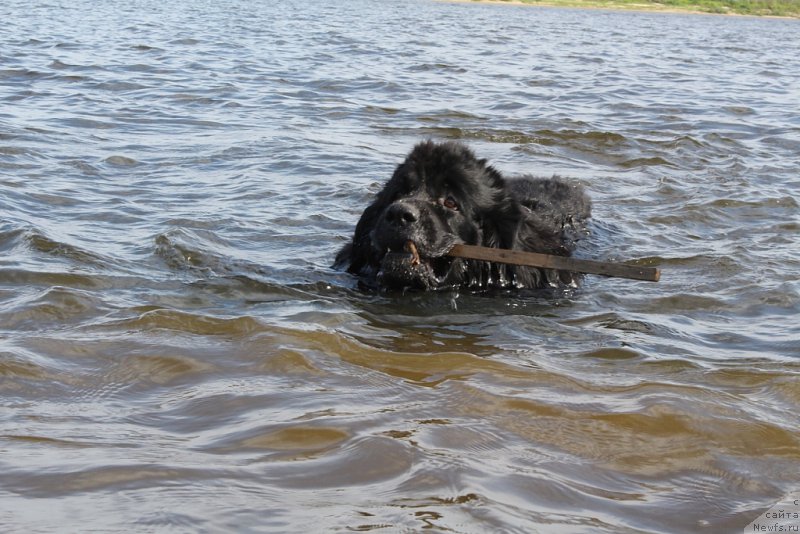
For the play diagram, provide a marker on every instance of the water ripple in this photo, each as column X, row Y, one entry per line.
column 176, row 352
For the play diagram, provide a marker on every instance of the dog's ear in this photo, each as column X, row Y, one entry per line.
column 344, row 257
column 501, row 218
column 358, row 254
column 500, row 230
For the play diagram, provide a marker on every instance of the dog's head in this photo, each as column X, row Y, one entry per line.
column 439, row 196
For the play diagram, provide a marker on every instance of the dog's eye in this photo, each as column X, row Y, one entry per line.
column 450, row 203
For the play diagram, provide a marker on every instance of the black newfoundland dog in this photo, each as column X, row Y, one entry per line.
column 442, row 195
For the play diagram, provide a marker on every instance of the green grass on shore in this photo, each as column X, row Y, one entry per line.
column 775, row 8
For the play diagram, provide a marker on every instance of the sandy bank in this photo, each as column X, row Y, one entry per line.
column 613, row 6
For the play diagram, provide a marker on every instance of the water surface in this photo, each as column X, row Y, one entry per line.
column 177, row 355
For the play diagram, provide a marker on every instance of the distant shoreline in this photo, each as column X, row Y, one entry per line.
column 623, row 5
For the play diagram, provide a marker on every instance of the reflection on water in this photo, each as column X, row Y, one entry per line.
column 176, row 353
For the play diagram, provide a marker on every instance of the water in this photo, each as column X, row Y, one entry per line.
column 177, row 355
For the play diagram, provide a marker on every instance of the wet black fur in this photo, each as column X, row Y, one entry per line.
column 442, row 195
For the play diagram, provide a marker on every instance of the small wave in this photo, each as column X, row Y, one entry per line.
column 83, row 166
column 183, row 249
column 188, row 41
column 297, row 439
column 10, row 238
column 54, row 306
column 437, row 67
column 157, row 367
column 60, row 65
column 646, row 162
column 40, row 243
column 121, row 161
column 179, row 321
column 613, row 353
column 25, row 278
column 598, row 141
column 382, row 110
column 198, row 253
column 15, row 366
column 118, row 86
column 15, row 75
column 20, row 152
column 113, row 478
column 686, row 302
column 740, row 110
column 772, row 203
column 448, row 114
column 82, row 122
column 146, row 48
column 20, row 244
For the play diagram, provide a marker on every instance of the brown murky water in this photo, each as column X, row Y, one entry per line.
column 176, row 354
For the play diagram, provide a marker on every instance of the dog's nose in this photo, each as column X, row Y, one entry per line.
column 401, row 214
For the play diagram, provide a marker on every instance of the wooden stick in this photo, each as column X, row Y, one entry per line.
column 412, row 248
column 562, row 263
